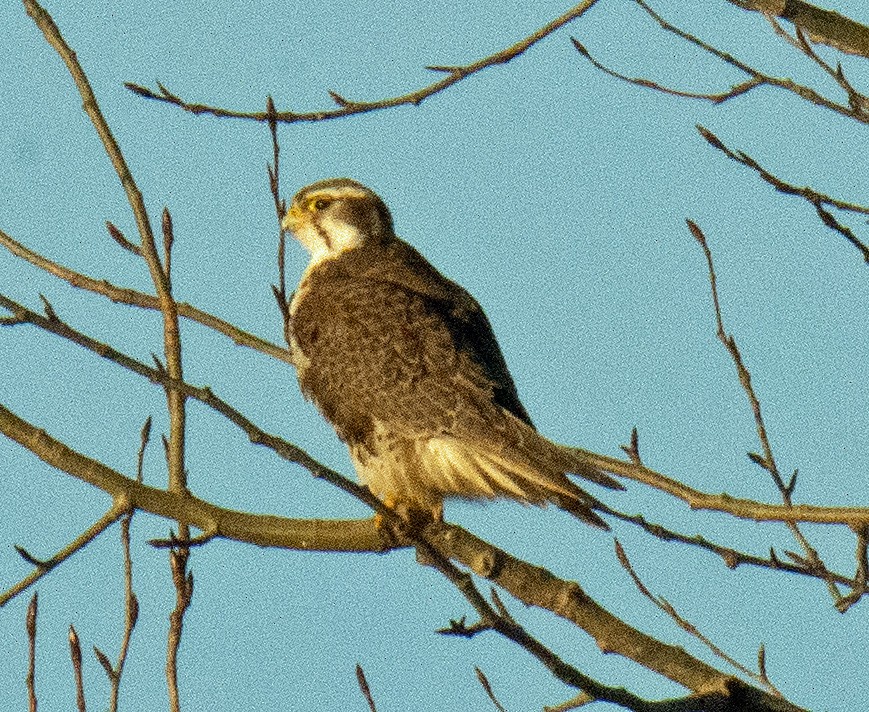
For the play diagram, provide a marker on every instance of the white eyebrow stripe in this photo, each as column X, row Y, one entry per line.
column 337, row 193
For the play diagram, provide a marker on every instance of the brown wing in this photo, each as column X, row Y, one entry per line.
column 460, row 313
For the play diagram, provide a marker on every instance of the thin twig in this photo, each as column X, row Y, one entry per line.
column 119, row 507
column 161, row 276
column 183, row 582
column 574, row 703
column 484, row 681
column 731, row 557
column 131, row 602
column 858, row 101
column 817, row 199
column 120, row 238
column 715, row 98
column 767, row 459
column 30, row 626
column 366, row 690
column 755, row 77
column 140, row 299
column 347, row 107
column 687, row 626
column 75, row 655
column 274, row 173
column 861, row 575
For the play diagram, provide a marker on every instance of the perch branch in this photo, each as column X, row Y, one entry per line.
column 741, row 508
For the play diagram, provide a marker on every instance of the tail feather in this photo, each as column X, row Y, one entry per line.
column 476, row 470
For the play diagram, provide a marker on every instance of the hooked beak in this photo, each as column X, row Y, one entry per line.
column 292, row 219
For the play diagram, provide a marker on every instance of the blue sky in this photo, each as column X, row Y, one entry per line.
column 557, row 196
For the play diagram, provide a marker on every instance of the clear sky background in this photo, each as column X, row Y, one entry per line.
column 555, row 194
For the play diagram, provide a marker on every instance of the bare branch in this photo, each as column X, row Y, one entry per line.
column 824, row 26
column 767, row 462
column 741, row 508
column 857, row 101
column 145, row 301
column 261, row 530
column 687, row 626
column 731, row 557
column 75, row 655
column 366, row 690
column 719, row 98
column 816, row 199
column 755, row 77
column 183, row 582
column 30, row 626
column 119, row 237
column 862, row 573
column 346, row 107
column 484, row 681
column 131, row 602
column 274, row 173
column 535, row 586
column 42, row 567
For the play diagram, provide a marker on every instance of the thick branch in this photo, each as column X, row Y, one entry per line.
column 260, row 529
column 535, row 586
column 824, row 26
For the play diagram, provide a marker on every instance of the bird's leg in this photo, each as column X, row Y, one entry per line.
column 413, row 519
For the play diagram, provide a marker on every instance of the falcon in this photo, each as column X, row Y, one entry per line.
column 405, row 366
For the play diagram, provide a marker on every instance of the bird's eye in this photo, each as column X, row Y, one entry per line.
column 321, row 204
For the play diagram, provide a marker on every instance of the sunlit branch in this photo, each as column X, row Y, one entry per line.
column 824, row 26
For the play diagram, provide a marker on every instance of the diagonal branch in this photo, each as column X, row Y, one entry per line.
column 818, row 200
column 119, row 508
column 755, row 78
column 767, row 460
column 122, row 295
column 668, row 608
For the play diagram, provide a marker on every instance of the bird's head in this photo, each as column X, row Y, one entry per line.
column 335, row 215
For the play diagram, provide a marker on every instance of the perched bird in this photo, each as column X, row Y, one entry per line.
column 405, row 366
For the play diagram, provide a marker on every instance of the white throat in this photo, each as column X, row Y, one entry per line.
column 342, row 237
